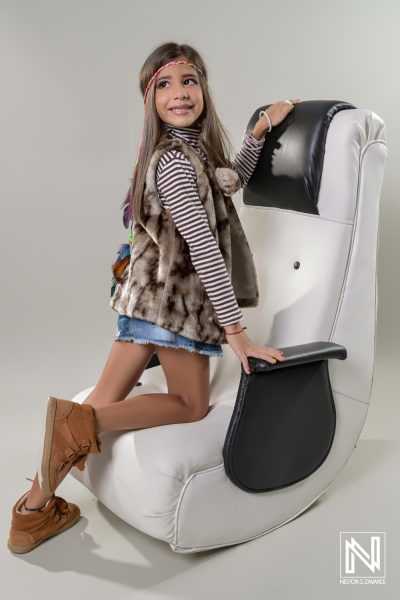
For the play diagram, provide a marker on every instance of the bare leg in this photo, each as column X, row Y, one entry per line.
column 188, row 379
column 123, row 369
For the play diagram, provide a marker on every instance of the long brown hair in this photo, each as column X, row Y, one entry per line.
column 213, row 136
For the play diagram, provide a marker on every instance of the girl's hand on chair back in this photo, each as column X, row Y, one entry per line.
column 279, row 111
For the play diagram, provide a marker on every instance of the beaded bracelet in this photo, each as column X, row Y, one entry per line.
column 262, row 112
column 235, row 332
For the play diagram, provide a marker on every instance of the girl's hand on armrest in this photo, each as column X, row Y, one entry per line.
column 243, row 347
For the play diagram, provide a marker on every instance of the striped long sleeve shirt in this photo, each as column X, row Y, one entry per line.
column 177, row 189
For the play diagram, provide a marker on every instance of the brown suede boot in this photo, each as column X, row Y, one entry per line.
column 28, row 531
column 69, row 434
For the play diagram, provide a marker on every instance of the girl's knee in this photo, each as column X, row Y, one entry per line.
column 196, row 413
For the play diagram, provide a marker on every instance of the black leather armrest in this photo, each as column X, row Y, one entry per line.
column 300, row 354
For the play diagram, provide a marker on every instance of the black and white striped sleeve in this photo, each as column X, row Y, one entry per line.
column 176, row 182
column 246, row 159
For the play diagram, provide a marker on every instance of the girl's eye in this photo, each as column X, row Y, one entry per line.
column 160, row 85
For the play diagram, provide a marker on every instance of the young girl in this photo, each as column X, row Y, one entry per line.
column 189, row 271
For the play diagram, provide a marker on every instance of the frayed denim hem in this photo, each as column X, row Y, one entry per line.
column 159, row 343
column 155, row 342
column 168, row 345
column 208, row 354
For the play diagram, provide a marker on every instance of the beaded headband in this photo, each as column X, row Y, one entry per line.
column 128, row 216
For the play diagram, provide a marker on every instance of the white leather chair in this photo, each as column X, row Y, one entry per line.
column 171, row 481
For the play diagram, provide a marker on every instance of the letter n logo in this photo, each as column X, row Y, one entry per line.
column 362, row 554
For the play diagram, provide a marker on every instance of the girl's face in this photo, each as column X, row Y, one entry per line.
column 178, row 95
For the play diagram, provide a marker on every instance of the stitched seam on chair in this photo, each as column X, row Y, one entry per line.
column 350, row 255
column 170, row 512
column 350, row 397
column 295, row 212
column 376, row 270
column 171, row 476
column 258, row 535
column 175, row 534
column 365, row 148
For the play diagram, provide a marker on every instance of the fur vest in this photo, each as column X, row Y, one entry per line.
column 160, row 283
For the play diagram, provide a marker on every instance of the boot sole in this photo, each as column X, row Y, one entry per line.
column 24, row 549
column 45, row 447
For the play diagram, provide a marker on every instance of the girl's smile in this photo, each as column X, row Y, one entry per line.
column 180, row 111
column 178, row 97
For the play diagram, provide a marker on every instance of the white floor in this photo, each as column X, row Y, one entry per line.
column 102, row 557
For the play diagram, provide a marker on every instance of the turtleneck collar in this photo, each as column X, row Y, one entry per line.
column 190, row 135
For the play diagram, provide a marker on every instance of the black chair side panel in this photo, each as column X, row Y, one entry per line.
column 282, row 427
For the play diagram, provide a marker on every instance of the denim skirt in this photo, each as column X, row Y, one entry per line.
column 130, row 329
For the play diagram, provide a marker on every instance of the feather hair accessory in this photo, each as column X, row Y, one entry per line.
column 118, row 268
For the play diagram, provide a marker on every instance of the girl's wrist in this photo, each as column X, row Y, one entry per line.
column 260, row 129
column 232, row 328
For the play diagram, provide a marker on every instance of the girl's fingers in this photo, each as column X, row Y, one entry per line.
column 282, row 102
column 272, row 359
column 263, row 356
column 270, row 351
column 270, row 356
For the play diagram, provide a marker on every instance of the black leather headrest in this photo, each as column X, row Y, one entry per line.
column 288, row 172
